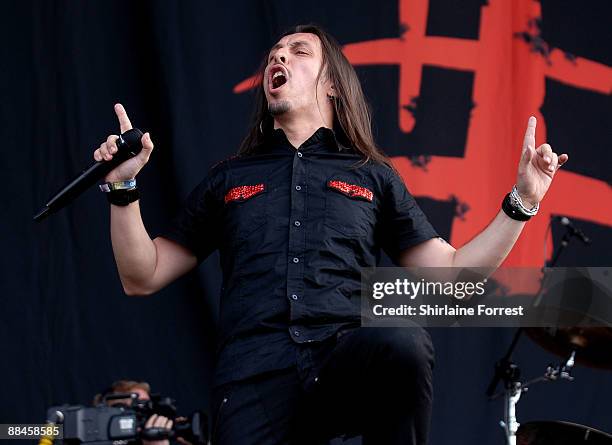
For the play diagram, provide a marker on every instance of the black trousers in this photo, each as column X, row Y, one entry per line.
column 374, row 382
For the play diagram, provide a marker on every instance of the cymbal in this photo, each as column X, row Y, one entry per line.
column 593, row 345
column 560, row 433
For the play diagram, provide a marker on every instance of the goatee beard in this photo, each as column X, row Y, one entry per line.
column 278, row 108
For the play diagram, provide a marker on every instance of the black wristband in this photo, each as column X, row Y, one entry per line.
column 123, row 197
column 513, row 212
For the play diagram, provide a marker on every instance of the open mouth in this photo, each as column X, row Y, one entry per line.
column 278, row 78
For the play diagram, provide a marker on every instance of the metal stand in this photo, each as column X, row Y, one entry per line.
column 510, row 373
column 513, row 389
column 509, row 424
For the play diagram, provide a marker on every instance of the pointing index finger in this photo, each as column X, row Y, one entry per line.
column 529, row 140
column 124, row 120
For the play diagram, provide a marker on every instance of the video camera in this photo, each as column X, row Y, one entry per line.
column 123, row 423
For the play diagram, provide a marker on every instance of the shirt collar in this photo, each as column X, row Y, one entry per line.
column 324, row 139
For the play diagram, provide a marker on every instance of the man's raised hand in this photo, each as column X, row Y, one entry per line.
column 130, row 168
column 537, row 167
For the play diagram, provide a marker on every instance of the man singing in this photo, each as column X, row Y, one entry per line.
column 307, row 201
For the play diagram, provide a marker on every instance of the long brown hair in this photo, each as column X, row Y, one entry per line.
column 351, row 110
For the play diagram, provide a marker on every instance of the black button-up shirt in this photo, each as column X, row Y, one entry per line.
column 293, row 228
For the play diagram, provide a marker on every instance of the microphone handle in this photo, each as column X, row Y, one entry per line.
column 128, row 146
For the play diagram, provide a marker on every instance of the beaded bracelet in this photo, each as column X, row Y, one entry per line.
column 517, row 202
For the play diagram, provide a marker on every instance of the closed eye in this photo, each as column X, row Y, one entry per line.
column 297, row 52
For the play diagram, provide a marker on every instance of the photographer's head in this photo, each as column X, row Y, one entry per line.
column 142, row 389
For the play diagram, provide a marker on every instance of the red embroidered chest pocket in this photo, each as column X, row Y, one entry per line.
column 245, row 210
column 352, row 190
column 349, row 207
column 244, row 192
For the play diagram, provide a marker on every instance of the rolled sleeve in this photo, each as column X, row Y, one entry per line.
column 197, row 224
column 402, row 224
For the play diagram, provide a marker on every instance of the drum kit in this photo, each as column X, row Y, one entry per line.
column 589, row 346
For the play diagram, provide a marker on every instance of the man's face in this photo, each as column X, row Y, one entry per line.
column 290, row 77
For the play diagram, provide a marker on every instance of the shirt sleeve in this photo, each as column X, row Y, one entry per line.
column 402, row 223
column 197, row 224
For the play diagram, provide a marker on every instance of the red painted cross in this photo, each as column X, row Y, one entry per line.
column 508, row 76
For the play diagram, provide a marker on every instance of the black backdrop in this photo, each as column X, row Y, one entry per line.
column 66, row 329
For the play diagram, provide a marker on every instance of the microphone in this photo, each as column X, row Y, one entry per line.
column 575, row 231
column 128, row 146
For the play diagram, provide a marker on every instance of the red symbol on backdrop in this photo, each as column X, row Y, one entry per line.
column 509, row 75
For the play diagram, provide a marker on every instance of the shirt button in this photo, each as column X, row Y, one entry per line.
column 296, row 260
column 297, row 223
column 296, row 333
column 298, row 188
column 299, row 154
column 294, row 297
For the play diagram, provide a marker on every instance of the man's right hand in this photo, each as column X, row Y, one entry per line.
column 130, row 168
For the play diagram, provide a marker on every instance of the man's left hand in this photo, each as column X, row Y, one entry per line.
column 537, row 167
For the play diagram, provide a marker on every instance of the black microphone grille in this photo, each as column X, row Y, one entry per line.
column 132, row 137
